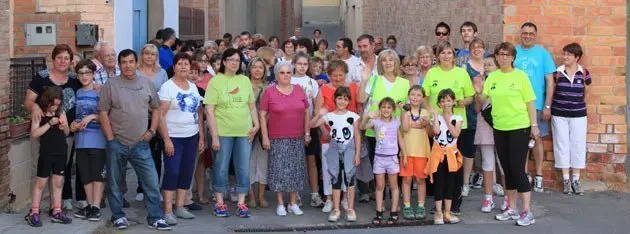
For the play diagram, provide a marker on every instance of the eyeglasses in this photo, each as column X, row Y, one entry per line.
column 234, row 60
column 504, row 55
column 441, row 34
column 85, row 73
column 203, row 61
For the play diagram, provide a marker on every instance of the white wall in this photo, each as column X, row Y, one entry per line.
column 123, row 25
column 171, row 15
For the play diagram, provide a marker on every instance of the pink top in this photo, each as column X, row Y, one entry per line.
column 285, row 112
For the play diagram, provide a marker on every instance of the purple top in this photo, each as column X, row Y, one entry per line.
column 386, row 137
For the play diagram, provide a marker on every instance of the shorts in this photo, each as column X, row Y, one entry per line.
column 386, row 164
column 315, row 147
column 47, row 163
column 91, row 164
column 466, row 143
column 415, row 167
column 543, row 126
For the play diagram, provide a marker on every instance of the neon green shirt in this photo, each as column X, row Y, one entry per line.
column 509, row 94
column 231, row 97
column 382, row 89
column 456, row 79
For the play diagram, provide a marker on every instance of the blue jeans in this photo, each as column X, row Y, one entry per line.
column 140, row 158
column 240, row 149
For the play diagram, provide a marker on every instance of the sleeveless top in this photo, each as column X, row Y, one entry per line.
column 53, row 141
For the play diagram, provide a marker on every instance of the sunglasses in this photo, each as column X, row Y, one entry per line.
column 441, row 34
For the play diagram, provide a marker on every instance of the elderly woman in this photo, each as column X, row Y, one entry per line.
column 515, row 123
column 425, row 61
column 284, row 117
column 231, row 112
column 211, row 48
column 409, row 66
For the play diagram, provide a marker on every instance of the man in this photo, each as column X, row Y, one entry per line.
column 378, row 44
column 123, row 109
column 537, row 62
column 469, row 32
column 246, row 40
column 297, row 34
column 227, row 37
column 105, row 61
column 345, row 51
column 165, row 52
column 442, row 33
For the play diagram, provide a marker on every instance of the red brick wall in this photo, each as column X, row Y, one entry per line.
column 600, row 27
column 4, row 101
column 214, row 24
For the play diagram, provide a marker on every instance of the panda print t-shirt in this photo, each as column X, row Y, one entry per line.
column 445, row 138
column 341, row 126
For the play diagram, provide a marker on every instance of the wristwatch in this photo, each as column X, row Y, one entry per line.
column 547, row 107
column 151, row 131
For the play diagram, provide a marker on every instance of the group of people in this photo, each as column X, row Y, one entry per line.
column 269, row 116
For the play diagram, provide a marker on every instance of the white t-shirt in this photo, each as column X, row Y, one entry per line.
column 181, row 118
column 341, row 126
column 310, row 88
column 445, row 138
column 354, row 72
column 384, row 81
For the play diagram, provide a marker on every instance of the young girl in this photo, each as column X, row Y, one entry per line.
column 445, row 159
column 342, row 156
column 311, row 89
column 90, row 142
column 417, row 146
column 51, row 131
column 388, row 142
column 315, row 71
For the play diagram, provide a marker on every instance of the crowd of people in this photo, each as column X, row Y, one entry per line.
column 270, row 115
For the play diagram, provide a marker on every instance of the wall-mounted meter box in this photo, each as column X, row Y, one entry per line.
column 86, row 34
column 41, row 34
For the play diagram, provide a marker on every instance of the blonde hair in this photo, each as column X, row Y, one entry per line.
column 422, row 50
column 251, row 64
column 381, row 58
column 409, row 59
column 266, row 53
column 442, row 47
column 149, row 48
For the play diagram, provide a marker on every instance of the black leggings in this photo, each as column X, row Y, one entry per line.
column 512, row 150
column 66, row 193
column 349, row 182
column 444, row 182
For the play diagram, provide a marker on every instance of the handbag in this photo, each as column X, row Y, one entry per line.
column 486, row 113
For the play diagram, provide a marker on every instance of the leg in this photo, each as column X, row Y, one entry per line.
column 36, row 193
column 67, row 185
column 186, row 168
column 279, row 199
column 200, row 176
column 504, row 153
column 172, row 174
column 517, row 141
column 406, row 190
column 538, row 151
column 56, row 192
column 395, row 192
column 116, row 156
column 220, row 169
column 380, row 188
column 578, row 145
column 487, row 165
column 422, row 191
column 142, row 162
column 364, row 187
column 242, row 152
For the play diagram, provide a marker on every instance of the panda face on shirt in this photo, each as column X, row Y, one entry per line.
column 341, row 131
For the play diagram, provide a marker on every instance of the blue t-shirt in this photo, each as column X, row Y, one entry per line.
column 166, row 57
column 536, row 62
column 322, row 76
column 462, row 56
column 91, row 137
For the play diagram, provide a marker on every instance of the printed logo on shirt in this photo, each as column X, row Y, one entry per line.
column 188, row 102
column 435, row 83
column 494, row 86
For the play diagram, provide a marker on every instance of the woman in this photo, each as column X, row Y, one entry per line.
column 149, row 68
column 202, row 79
column 409, row 66
column 210, row 48
column 392, row 44
column 322, row 46
column 221, row 45
column 285, row 131
column 231, row 112
column 448, row 76
column 274, row 42
column 425, row 61
column 317, row 36
column 180, row 123
column 288, row 47
column 568, row 117
column 515, row 123
column 257, row 71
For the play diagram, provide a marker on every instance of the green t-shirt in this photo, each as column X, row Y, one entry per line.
column 383, row 88
column 456, row 79
column 509, row 94
column 231, row 97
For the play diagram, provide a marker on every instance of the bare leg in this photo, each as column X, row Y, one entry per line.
column 57, row 181
column 36, row 193
column 279, row 198
column 526, row 198
column 488, row 182
column 380, row 188
column 539, row 154
column 422, row 191
column 97, row 189
column 393, row 187
column 312, row 172
column 261, row 195
column 406, row 190
column 89, row 193
column 168, row 201
column 181, row 197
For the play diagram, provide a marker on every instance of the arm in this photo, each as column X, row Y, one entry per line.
column 307, row 127
column 106, row 126
column 319, row 104
column 551, row 88
column 405, row 121
column 202, row 133
column 401, row 145
column 31, row 106
column 254, row 114
column 36, row 130
column 454, row 129
column 365, row 78
column 263, row 127
column 436, row 123
column 531, row 110
column 465, row 102
column 63, row 124
column 357, row 143
column 164, row 105
column 214, row 132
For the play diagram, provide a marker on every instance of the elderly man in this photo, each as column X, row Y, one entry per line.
column 105, row 60
column 123, row 114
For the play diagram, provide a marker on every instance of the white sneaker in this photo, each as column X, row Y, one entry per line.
column 505, row 204
column 465, row 190
column 497, row 189
column 487, row 206
column 316, row 200
column 140, row 197
column 328, row 206
column 295, row 209
column 538, row 184
column 281, row 210
column 508, row 214
column 344, row 204
column 67, row 204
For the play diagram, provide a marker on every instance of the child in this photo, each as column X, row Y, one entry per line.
column 342, row 156
column 445, row 159
column 388, row 142
column 51, row 130
column 315, row 71
column 417, row 146
column 484, row 138
column 90, row 142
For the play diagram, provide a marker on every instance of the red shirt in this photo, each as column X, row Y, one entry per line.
column 285, row 113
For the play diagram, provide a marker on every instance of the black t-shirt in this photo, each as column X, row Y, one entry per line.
column 69, row 89
column 53, row 141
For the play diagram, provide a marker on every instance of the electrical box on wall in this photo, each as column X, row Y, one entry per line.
column 41, row 34
column 86, row 34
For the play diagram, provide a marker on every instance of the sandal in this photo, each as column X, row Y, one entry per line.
column 393, row 218
column 378, row 219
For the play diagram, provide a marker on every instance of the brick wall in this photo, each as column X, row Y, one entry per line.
column 600, row 27
column 4, row 101
column 214, row 22
column 413, row 21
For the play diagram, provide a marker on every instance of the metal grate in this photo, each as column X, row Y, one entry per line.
column 22, row 71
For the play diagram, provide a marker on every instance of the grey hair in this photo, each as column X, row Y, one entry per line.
column 99, row 44
column 209, row 43
column 281, row 64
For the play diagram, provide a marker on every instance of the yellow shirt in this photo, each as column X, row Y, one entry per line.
column 417, row 140
column 509, row 94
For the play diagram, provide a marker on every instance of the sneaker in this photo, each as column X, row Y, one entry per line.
column 316, row 200
column 438, row 219
column 328, row 206
column 566, row 184
column 281, row 210
column 183, row 213
column 508, row 214
column 471, row 179
column 344, row 204
column 121, row 223
column 538, row 184
column 95, row 214
column 33, row 219
column 295, row 209
column 140, row 197
column 577, row 187
column 126, row 203
column 505, row 205
column 83, row 213
column 60, row 217
column 170, row 219
column 67, row 204
column 351, row 216
column 220, row 210
column 243, row 211
column 194, row 206
column 364, row 198
column 408, row 213
column 478, row 181
column 451, row 219
column 465, row 190
column 420, row 212
column 160, row 224
column 497, row 189
column 525, row 219
column 456, row 211
column 487, row 206
column 334, row 216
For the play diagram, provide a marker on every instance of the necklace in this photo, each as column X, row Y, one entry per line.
column 414, row 118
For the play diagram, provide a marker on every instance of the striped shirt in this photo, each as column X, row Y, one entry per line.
column 568, row 98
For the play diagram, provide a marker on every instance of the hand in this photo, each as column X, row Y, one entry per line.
column 546, row 114
column 323, row 111
column 147, row 136
column 433, row 112
column 85, row 121
column 202, row 145
column 404, row 159
column 251, row 134
column 478, row 84
column 97, row 87
column 307, row 139
column 356, row 160
column 169, row 149
column 36, row 114
column 535, row 133
column 74, row 126
column 53, row 121
column 215, row 144
column 266, row 144
column 321, row 82
column 400, row 105
column 374, row 114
